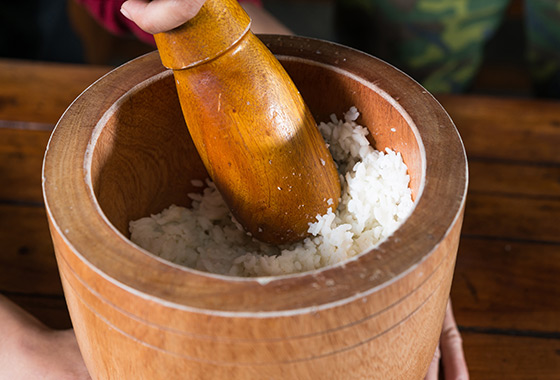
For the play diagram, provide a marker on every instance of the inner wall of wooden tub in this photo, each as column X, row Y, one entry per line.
column 328, row 90
column 144, row 159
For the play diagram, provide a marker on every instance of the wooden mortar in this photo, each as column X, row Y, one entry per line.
column 115, row 156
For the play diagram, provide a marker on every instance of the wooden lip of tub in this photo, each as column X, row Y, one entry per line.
column 121, row 151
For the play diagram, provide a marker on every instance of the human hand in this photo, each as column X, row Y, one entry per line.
column 158, row 16
column 450, row 351
column 29, row 350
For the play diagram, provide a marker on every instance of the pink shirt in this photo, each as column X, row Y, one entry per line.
column 107, row 13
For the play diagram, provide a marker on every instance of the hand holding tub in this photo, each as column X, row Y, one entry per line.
column 449, row 352
column 30, row 350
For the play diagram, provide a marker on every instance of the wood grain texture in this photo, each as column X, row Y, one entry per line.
column 507, row 285
column 255, row 134
column 379, row 314
column 26, row 251
column 21, row 158
column 496, row 216
column 529, row 137
column 505, row 289
column 497, row 356
column 49, row 88
column 514, row 179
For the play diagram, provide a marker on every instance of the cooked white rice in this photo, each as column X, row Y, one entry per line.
column 375, row 200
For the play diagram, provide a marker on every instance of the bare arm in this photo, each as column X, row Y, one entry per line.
column 30, row 350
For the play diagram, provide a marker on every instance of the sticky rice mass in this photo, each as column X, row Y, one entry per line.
column 375, row 200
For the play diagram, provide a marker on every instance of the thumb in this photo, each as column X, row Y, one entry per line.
column 160, row 15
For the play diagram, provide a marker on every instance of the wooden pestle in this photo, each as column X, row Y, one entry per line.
column 253, row 131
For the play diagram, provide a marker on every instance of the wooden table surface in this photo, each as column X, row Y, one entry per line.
column 506, row 289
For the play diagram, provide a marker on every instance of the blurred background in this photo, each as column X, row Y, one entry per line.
column 62, row 31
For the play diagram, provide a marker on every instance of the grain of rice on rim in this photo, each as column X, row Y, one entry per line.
column 375, row 200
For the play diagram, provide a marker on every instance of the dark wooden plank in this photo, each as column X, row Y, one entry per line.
column 39, row 91
column 507, row 129
column 52, row 311
column 507, row 285
column 21, row 159
column 511, row 179
column 27, row 261
column 26, row 125
column 514, row 218
column 499, row 357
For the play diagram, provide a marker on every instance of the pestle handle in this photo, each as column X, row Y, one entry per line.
column 252, row 129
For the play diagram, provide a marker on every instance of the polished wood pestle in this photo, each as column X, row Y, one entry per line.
column 253, row 131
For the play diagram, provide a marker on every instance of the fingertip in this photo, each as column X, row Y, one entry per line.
column 160, row 16
column 134, row 9
column 124, row 10
column 433, row 369
column 139, row 12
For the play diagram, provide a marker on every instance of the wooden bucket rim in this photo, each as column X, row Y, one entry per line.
column 74, row 128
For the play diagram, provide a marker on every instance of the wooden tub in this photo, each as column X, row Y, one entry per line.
column 121, row 151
